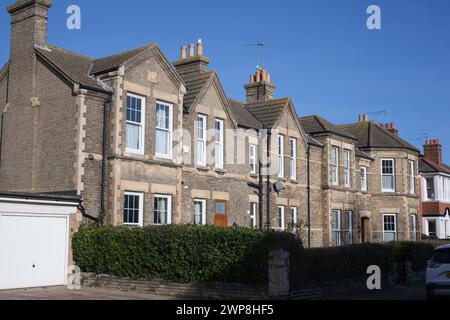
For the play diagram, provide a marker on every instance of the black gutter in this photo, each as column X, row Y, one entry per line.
column 308, row 153
column 268, row 187
column 260, row 195
column 1, row 137
column 104, row 143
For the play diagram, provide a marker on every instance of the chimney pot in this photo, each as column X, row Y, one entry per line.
column 183, row 52
column 199, row 47
column 191, row 50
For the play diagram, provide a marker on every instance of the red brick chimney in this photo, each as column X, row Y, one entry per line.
column 433, row 151
column 363, row 118
column 391, row 127
column 260, row 88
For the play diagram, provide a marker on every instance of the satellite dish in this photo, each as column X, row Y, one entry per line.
column 278, row 186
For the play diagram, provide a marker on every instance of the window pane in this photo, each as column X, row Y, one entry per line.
column 133, row 134
column 220, row 207
column 162, row 142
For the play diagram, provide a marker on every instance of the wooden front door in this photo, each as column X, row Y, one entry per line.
column 220, row 214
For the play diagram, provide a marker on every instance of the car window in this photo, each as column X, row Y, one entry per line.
column 442, row 256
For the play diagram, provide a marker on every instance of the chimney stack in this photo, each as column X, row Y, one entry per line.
column 433, row 151
column 391, row 127
column 260, row 87
column 192, row 59
column 363, row 118
column 29, row 20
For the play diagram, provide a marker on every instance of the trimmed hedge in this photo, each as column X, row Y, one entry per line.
column 179, row 253
column 197, row 254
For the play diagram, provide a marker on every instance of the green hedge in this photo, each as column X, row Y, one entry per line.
column 206, row 254
column 315, row 266
column 178, row 253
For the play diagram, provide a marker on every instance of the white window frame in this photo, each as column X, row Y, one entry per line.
column 141, row 208
column 350, row 229
column 389, row 231
column 169, row 131
column 218, row 145
column 412, row 184
column 414, row 229
column 281, row 218
column 293, row 156
column 280, row 156
column 347, row 180
column 392, row 175
column 169, row 208
column 203, row 213
column 294, row 215
column 141, row 149
column 335, row 166
column 252, row 158
column 253, row 211
column 201, row 158
column 336, row 229
column 364, row 179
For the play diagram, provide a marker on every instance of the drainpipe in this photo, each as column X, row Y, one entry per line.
column 104, row 143
column 308, row 152
column 268, row 190
column 260, row 195
column 1, row 137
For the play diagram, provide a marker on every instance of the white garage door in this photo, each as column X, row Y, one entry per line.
column 33, row 250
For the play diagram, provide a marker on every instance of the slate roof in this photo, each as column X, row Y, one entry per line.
column 316, row 125
column 361, row 154
column 110, row 63
column 313, row 141
column 268, row 112
column 370, row 135
column 73, row 65
column 195, row 82
column 243, row 116
column 428, row 166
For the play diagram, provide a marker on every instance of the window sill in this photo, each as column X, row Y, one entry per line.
column 202, row 168
column 253, row 175
column 220, row 171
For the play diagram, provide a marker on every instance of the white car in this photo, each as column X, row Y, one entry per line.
column 438, row 272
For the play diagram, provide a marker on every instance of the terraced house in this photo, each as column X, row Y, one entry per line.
column 145, row 141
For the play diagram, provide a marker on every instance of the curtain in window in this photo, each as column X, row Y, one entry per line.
column 161, row 210
column 133, row 135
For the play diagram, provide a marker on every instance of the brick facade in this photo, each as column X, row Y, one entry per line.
column 53, row 136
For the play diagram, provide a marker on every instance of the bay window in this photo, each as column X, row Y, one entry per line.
column 411, row 177
column 388, row 175
column 347, row 168
column 334, row 166
column 389, row 227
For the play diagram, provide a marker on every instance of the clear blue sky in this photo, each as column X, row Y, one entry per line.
column 319, row 52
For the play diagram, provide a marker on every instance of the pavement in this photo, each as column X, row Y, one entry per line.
column 62, row 293
column 417, row 293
